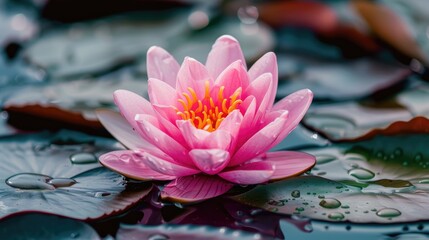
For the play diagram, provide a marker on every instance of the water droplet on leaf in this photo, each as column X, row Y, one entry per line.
column 295, row 194
column 330, row 203
column 30, row 181
column 83, row 158
column 388, row 213
column 361, row 173
column 336, row 216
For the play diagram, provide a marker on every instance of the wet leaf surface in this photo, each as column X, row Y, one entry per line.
column 60, row 174
column 40, row 226
column 182, row 232
column 356, row 120
column 337, row 80
column 383, row 180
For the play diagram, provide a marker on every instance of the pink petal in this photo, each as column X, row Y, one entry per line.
column 266, row 64
column 260, row 142
column 233, row 77
column 161, row 65
column 219, row 139
column 250, row 173
column 192, row 74
column 167, row 117
column 122, row 131
column 197, row 138
column 246, row 127
column 232, row 123
column 193, row 137
column 260, row 88
column 297, row 105
column 225, row 51
column 289, row 164
column 131, row 104
column 164, row 142
column 210, row 161
column 131, row 165
column 167, row 166
column 195, row 188
column 161, row 93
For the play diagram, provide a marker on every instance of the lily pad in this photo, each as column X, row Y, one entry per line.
column 71, row 104
column 40, row 226
column 337, row 80
column 382, row 180
column 60, row 174
column 352, row 120
column 315, row 230
column 182, row 232
column 98, row 46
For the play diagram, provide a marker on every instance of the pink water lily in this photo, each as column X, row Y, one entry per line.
column 206, row 127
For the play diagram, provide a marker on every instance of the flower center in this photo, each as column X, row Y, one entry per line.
column 209, row 112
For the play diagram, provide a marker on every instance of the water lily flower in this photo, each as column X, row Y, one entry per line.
column 206, row 127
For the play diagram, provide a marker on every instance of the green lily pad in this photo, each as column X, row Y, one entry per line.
column 60, row 174
column 184, row 232
column 383, row 180
column 39, row 226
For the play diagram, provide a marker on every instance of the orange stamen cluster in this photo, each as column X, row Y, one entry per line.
column 208, row 113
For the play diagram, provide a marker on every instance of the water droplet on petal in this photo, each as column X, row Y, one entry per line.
column 83, row 158
column 336, row 216
column 330, row 203
column 30, row 181
column 361, row 173
column 388, row 213
column 295, row 194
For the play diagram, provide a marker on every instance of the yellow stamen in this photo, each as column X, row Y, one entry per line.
column 208, row 113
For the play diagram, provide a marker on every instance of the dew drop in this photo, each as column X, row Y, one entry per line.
column 299, row 209
column 83, row 158
column 30, row 181
column 405, row 228
column 330, row 203
column 74, row 235
column 336, row 216
column 322, row 159
column 295, row 194
column 248, row 220
column 321, row 196
column 273, row 209
column 361, row 173
column 158, row 237
column 424, row 181
column 398, row 152
column 388, row 213
column 347, row 212
column 348, row 227
column 255, row 212
column 276, row 203
column 345, row 206
column 418, row 157
column 308, row 227
column 62, row 182
column 101, row 194
column 379, row 155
